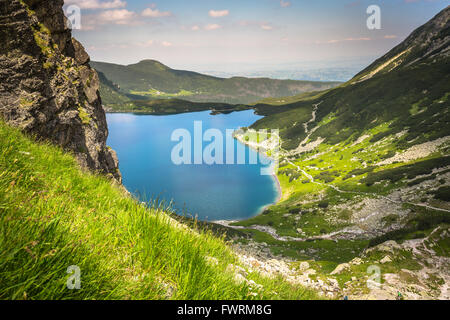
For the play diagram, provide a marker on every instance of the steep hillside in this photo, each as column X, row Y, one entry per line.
column 365, row 163
column 408, row 87
column 53, row 216
column 46, row 85
column 56, row 215
column 151, row 79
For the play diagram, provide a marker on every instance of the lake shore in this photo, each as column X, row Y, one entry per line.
column 226, row 223
column 279, row 196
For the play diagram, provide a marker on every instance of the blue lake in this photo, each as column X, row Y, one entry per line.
column 210, row 192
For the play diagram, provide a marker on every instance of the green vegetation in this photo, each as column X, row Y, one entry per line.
column 84, row 116
column 26, row 103
column 55, row 216
column 367, row 105
column 150, row 79
column 111, row 95
column 409, row 171
column 159, row 94
column 174, row 106
column 416, row 227
column 443, row 194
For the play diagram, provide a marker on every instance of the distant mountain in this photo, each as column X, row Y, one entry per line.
column 150, row 79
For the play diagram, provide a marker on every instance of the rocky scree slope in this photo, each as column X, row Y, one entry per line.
column 47, row 87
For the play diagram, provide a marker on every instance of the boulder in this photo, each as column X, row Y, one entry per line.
column 340, row 268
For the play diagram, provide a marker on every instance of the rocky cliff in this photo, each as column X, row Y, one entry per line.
column 47, row 87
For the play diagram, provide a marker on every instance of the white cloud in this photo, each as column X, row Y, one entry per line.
column 121, row 17
column 214, row 26
column 155, row 13
column 358, row 39
column 195, row 28
column 342, row 40
column 97, row 4
column 218, row 13
column 266, row 27
column 285, row 4
column 166, row 44
column 391, row 36
column 256, row 24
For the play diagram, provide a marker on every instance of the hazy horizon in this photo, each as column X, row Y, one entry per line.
column 241, row 37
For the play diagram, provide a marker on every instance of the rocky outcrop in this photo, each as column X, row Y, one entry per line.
column 47, row 87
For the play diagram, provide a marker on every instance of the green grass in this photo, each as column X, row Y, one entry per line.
column 160, row 94
column 84, row 116
column 410, row 171
column 54, row 216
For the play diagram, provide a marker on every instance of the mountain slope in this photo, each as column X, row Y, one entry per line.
column 151, row 79
column 365, row 173
column 54, row 215
column 409, row 87
column 57, row 217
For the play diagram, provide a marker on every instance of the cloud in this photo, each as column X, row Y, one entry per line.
column 145, row 44
column 211, row 27
column 121, row 17
column 285, row 4
column 131, row 45
column 390, row 36
column 358, row 39
column 256, row 24
column 97, row 4
column 218, row 13
column 195, row 28
column 344, row 40
column 155, row 13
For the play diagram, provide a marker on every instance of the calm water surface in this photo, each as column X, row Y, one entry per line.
column 211, row 192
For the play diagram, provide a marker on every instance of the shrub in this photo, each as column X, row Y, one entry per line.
column 323, row 204
column 443, row 194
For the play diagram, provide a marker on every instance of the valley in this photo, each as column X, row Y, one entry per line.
column 365, row 172
column 358, row 206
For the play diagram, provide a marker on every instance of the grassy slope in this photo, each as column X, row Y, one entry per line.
column 366, row 105
column 153, row 80
column 53, row 216
column 402, row 105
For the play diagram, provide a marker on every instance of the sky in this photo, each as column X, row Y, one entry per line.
column 217, row 34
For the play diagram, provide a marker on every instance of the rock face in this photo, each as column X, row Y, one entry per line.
column 47, row 87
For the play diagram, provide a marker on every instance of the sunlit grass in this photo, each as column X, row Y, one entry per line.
column 54, row 216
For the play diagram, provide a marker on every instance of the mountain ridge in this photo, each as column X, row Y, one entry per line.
column 390, row 89
column 150, row 79
column 365, row 174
